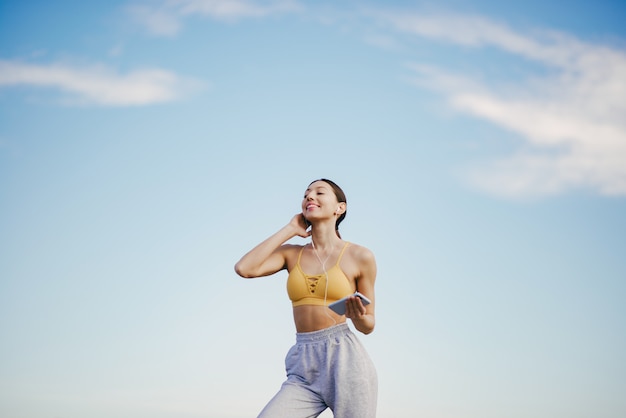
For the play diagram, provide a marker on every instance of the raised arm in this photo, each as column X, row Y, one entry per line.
column 269, row 256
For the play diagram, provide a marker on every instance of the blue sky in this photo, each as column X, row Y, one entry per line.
column 145, row 146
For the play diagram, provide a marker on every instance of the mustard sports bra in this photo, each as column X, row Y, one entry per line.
column 304, row 289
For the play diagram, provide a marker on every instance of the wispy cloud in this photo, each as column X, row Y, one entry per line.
column 160, row 20
column 572, row 119
column 98, row 85
column 166, row 18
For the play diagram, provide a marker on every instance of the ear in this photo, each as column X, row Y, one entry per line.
column 341, row 208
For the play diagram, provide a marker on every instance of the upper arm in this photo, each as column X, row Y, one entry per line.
column 367, row 275
column 273, row 263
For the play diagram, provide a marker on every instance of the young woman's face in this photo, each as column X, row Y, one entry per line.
column 319, row 200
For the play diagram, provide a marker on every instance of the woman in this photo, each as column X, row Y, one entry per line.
column 327, row 367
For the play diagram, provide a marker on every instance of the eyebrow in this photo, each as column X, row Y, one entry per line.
column 317, row 188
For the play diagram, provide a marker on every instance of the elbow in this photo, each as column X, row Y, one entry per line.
column 368, row 331
column 242, row 271
column 365, row 328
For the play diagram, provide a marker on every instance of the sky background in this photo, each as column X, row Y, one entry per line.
column 145, row 146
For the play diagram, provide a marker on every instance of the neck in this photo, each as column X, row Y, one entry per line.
column 324, row 237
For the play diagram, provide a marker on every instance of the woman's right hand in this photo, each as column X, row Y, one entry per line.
column 300, row 225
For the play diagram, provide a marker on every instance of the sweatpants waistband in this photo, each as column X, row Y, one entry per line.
column 307, row 337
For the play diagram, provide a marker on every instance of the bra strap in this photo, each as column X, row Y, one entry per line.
column 300, row 255
column 341, row 253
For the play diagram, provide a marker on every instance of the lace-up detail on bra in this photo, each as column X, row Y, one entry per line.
column 312, row 281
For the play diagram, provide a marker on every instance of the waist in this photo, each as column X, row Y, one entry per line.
column 309, row 318
column 322, row 334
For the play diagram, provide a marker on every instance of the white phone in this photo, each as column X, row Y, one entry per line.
column 340, row 306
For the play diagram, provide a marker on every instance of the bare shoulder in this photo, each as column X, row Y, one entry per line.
column 290, row 254
column 361, row 254
column 288, row 250
column 362, row 266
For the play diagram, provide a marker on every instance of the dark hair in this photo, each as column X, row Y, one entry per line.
column 341, row 198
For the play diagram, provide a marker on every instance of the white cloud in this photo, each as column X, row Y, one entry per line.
column 165, row 19
column 227, row 9
column 158, row 21
column 98, row 85
column 572, row 119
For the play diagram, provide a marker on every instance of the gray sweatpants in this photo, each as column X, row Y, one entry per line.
column 326, row 369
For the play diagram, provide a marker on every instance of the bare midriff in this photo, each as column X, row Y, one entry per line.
column 309, row 318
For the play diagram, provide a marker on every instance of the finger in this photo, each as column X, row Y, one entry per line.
column 358, row 306
column 354, row 308
column 349, row 309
